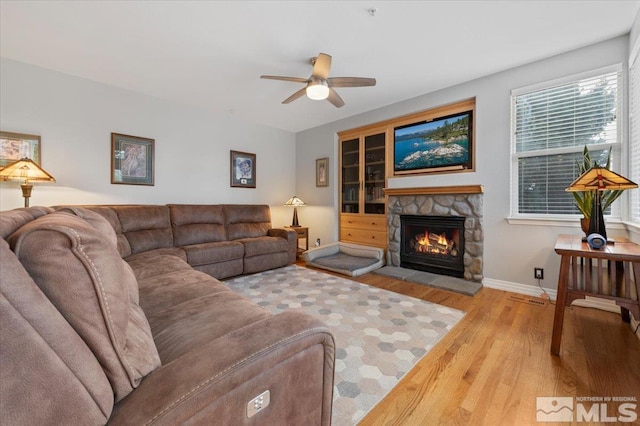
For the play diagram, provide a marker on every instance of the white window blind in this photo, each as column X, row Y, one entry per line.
column 551, row 125
column 634, row 134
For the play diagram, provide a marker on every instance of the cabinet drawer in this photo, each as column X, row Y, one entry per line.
column 364, row 222
column 364, row 236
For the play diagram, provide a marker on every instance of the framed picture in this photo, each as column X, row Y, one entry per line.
column 444, row 144
column 322, row 172
column 243, row 169
column 14, row 146
column 131, row 160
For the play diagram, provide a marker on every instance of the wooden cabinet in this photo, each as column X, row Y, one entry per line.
column 364, row 230
column 366, row 162
column 363, row 177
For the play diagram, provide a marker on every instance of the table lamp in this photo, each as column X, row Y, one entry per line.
column 28, row 171
column 599, row 179
column 295, row 202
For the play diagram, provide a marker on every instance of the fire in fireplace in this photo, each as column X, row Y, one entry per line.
column 433, row 244
column 437, row 244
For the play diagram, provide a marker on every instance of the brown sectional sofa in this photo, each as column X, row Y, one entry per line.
column 221, row 240
column 112, row 314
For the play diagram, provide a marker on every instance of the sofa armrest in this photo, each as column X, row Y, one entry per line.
column 290, row 354
column 289, row 235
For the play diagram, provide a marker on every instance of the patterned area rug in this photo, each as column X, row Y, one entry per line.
column 380, row 335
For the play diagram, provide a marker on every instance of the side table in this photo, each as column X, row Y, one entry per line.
column 301, row 232
column 583, row 273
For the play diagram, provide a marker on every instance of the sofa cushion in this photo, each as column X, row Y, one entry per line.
column 174, row 288
column 112, row 217
column 264, row 262
column 96, row 220
column 246, row 221
column 204, row 254
column 152, row 266
column 196, row 224
column 263, row 245
column 146, row 227
column 151, row 254
column 222, row 270
column 200, row 318
column 11, row 220
column 80, row 270
column 48, row 375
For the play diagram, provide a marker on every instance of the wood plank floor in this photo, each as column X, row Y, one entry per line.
column 491, row 367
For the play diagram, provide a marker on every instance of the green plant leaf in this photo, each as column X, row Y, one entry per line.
column 584, row 200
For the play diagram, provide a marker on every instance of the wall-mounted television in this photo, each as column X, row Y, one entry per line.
column 441, row 144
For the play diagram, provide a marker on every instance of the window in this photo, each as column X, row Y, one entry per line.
column 634, row 134
column 551, row 125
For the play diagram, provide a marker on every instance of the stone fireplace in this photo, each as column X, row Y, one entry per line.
column 445, row 245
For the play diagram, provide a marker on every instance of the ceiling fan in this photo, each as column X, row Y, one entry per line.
column 319, row 85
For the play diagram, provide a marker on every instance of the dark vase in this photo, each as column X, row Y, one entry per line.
column 596, row 224
column 584, row 224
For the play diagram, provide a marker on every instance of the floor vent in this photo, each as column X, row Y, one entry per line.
column 529, row 300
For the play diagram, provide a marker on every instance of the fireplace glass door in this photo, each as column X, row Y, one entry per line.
column 433, row 244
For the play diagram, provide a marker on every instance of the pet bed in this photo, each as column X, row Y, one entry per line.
column 345, row 258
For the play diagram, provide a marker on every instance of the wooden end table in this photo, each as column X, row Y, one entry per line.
column 583, row 273
column 301, row 232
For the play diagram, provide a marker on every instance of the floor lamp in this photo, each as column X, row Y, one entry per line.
column 27, row 171
column 598, row 179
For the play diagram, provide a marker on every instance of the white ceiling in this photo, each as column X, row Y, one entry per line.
column 211, row 53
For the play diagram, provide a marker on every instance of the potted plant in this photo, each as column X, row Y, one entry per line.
column 584, row 200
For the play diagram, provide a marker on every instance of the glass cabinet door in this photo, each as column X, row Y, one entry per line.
column 350, row 152
column 374, row 174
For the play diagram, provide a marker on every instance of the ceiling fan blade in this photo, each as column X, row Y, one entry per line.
column 335, row 99
column 322, row 65
column 351, row 82
column 278, row 77
column 295, row 96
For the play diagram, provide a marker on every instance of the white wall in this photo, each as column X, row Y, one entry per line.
column 511, row 250
column 75, row 118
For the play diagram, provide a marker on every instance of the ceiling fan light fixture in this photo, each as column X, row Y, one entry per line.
column 318, row 89
column 320, row 86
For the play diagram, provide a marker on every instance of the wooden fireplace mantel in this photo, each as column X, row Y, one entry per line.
column 436, row 190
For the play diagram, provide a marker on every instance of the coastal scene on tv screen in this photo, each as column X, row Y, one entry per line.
column 440, row 143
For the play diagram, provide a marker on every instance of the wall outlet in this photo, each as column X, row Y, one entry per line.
column 538, row 273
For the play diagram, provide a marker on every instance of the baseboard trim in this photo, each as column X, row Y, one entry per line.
column 518, row 288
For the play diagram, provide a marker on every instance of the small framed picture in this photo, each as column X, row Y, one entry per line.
column 132, row 160
column 243, row 169
column 322, row 172
column 14, row 146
